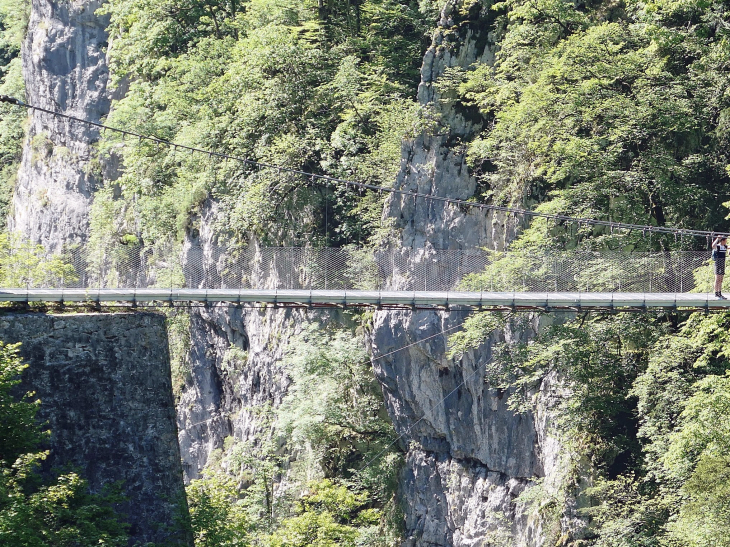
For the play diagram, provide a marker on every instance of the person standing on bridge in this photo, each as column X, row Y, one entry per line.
column 719, row 252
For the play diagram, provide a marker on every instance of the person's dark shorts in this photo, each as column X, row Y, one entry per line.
column 720, row 266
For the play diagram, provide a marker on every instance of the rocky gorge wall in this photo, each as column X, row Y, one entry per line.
column 467, row 455
column 106, row 395
column 65, row 69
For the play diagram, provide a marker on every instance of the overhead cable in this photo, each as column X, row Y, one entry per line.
column 433, row 407
column 681, row 232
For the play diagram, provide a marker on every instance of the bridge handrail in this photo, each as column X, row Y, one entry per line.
column 220, row 267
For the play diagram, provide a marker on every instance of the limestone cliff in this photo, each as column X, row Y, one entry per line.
column 468, row 455
column 236, row 368
column 235, row 371
column 65, row 69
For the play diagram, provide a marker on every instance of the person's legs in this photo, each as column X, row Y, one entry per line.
column 719, row 275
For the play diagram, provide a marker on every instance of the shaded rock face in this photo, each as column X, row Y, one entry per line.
column 236, row 362
column 468, row 455
column 65, row 69
column 104, row 383
column 236, row 371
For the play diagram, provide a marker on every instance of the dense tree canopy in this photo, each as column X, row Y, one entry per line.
column 327, row 89
column 609, row 110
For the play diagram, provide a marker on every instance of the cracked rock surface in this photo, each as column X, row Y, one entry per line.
column 65, row 69
column 468, row 456
column 106, row 395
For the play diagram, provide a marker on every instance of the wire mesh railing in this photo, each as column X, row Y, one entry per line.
column 213, row 267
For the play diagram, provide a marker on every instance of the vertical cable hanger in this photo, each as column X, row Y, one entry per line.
column 326, row 218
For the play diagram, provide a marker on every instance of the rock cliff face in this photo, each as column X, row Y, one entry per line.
column 434, row 163
column 104, row 383
column 468, row 455
column 236, row 370
column 236, row 367
column 64, row 68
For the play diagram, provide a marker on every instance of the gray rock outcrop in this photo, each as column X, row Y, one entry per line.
column 434, row 162
column 235, row 360
column 468, row 455
column 106, row 395
column 65, row 70
column 235, row 372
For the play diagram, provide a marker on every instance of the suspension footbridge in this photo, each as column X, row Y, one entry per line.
column 415, row 279
column 351, row 277
column 416, row 300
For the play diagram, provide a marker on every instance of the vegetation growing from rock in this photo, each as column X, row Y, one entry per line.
column 613, row 111
column 327, row 88
column 13, row 23
column 339, row 489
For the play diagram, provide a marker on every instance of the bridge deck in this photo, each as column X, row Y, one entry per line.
column 417, row 299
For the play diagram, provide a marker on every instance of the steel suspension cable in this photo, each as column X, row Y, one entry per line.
column 366, row 186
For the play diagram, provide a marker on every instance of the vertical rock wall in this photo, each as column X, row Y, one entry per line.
column 236, row 371
column 235, row 360
column 468, row 455
column 106, row 395
column 434, row 162
column 65, row 69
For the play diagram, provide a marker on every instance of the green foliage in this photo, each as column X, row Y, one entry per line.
column 321, row 87
column 704, row 517
column 705, row 426
column 675, row 494
column 14, row 16
column 37, row 513
column 333, row 416
column 178, row 336
column 477, row 328
column 325, row 517
column 17, row 425
column 25, row 264
column 337, row 487
column 596, row 357
column 217, row 515
column 260, row 467
column 333, row 409
column 612, row 109
column 697, row 455
column 627, row 512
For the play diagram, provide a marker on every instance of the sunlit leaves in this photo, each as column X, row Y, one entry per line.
column 593, row 104
column 25, row 264
column 218, row 517
column 333, row 407
column 323, row 87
